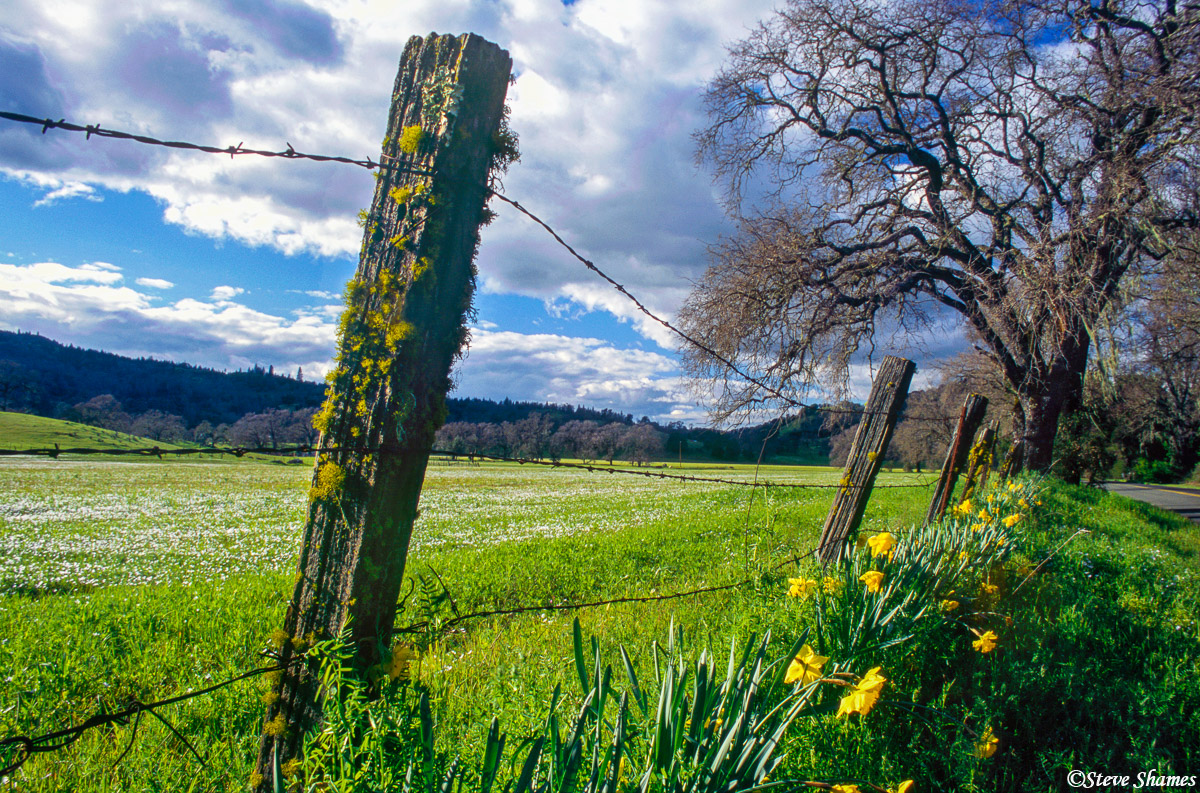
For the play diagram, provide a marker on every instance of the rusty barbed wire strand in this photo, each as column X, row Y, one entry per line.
column 61, row 739
column 239, row 451
column 291, row 154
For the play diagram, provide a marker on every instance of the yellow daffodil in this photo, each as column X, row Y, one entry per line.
column 831, row 585
column 991, row 499
column 805, row 667
column 977, row 527
column 988, row 589
column 402, row 657
column 949, row 605
column 864, row 695
column 846, row 789
column 962, row 556
column 1012, row 520
column 983, row 514
column 988, row 744
column 986, row 642
column 965, row 507
column 1024, row 504
column 904, row 787
column 1012, row 487
column 882, row 544
column 872, row 578
column 800, row 587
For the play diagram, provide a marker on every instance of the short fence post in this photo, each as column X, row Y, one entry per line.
column 1012, row 460
column 973, row 409
column 866, row 455
column 980, row 459
column 403, row 325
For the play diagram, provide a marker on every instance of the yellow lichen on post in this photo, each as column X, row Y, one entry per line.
column 411, row 139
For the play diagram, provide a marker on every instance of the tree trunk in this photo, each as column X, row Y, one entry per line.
column 1046, row 399
column 403, row 325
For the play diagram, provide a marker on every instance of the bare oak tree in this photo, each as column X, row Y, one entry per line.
column 1009, row 162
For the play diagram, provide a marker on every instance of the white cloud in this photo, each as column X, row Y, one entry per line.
column 572, row 370
column 67, row 190
column 154, row 283
column 222, row 293
column 605, row 100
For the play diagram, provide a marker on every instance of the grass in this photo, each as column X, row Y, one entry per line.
column 24, row 431
column 142, row 580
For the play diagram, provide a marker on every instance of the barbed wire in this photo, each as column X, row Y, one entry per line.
column 291, row 154
column 61, row 739
column 242, row 451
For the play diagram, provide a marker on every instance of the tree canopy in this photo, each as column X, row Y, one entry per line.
column 1008, row 163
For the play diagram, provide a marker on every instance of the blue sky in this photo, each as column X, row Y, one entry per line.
column 233, row 262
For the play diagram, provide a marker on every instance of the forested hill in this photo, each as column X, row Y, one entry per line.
column 39, row 375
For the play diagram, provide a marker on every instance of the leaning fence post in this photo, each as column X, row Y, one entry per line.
column 866, row 455
column 402, row 328
column 980, row 458
column 973, row 409
column 1012, row 461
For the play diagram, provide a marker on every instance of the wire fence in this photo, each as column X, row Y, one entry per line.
column 30, row 746
column 290, row 153
column 304, row 449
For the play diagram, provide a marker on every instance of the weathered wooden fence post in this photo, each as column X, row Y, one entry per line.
column 866, row 455
column 1012, row 461
column 402, row 328
column 979, row 459
column 974, row 406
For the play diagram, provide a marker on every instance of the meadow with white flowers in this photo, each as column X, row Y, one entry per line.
column 949, row 656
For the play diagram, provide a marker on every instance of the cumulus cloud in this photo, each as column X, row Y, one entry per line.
column 154, row 283
column 223, row 293
column 572, row 370
column 88, row 305
column 605, row 99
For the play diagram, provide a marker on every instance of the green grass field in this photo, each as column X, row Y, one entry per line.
column 140, row 580
column 24, row 431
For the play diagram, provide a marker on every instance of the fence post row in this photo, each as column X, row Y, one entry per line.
column 866, row 455
column 402, row 328
column 973, row 409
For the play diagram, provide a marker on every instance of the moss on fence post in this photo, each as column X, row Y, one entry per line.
column 403, row 326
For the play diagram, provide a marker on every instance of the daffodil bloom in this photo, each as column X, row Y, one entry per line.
column 1012, row 520
column 1024, row 504
column 872, row 578
column 831, row 585
column 977, row 527
column 1012, row 486
column 991, row 499
column 986, row 642
column 983, row 514
column 962, row 556
column 988, row 589
column 402, row 656
column 949, row 605
column 966, row 507
column 864, row 695
column 805, row 667
column 904, row 787
column 988, row 744
column 882, row 544
column 799, row 587
column 846, row 789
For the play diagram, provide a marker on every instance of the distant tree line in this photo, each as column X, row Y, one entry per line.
column 536, row 437
column 273, row 428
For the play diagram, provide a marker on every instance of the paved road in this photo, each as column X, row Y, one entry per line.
column 1183, row 500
